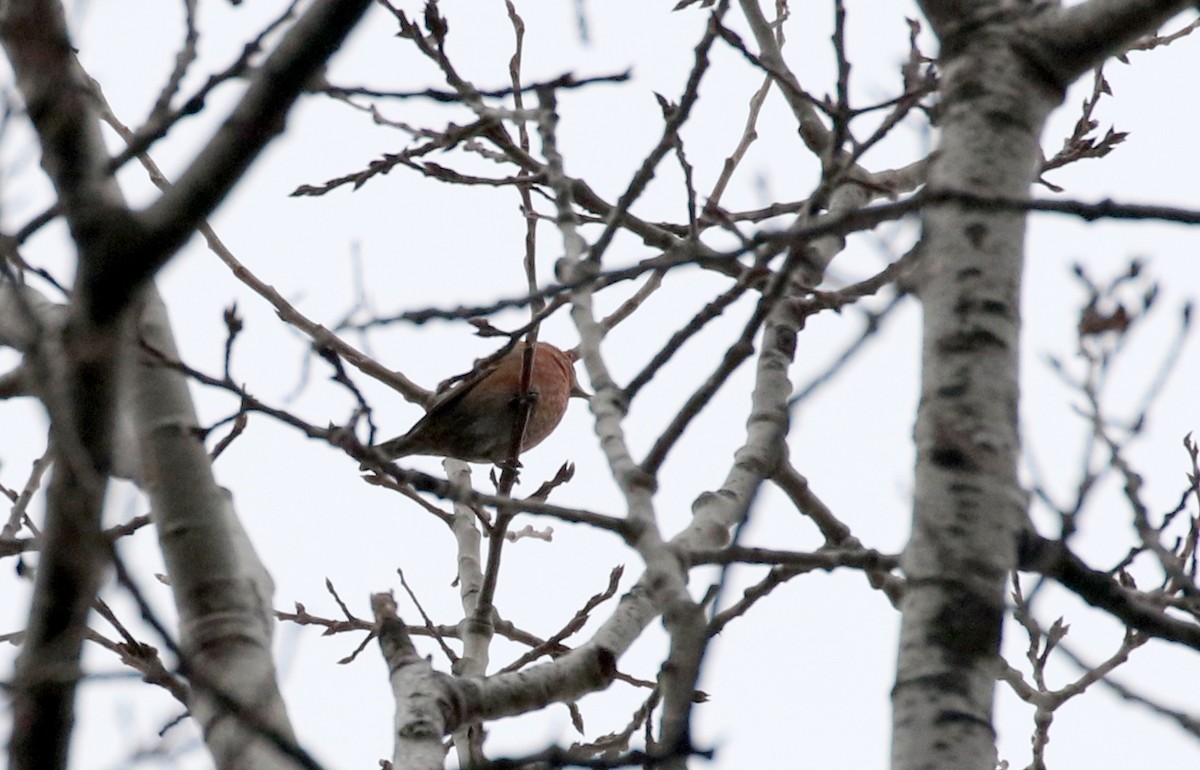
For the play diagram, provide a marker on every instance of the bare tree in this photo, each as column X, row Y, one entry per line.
column 103, row 362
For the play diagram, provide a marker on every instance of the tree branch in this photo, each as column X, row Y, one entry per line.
column 1054, row 559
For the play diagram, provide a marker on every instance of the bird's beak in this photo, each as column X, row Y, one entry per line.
column 577, row 391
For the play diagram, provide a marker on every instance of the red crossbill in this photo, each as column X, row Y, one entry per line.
column 474, row 420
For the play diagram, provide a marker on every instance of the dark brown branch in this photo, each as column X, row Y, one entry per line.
column 1070, row 41
column 670, row 136
column 565, row 81
column 1100, row 589
column 259, row 117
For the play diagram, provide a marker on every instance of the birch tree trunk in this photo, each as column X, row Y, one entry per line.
column 1004, row 66
column 118, row 251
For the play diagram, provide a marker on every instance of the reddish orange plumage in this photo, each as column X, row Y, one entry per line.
column 474, row 421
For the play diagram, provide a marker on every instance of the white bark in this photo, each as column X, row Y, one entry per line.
column 999, row 83
column 221, row 589
column 424, row 698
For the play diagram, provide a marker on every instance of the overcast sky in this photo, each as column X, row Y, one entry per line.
column 806, row 676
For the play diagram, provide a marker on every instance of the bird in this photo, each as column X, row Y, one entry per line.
column 474, row 420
